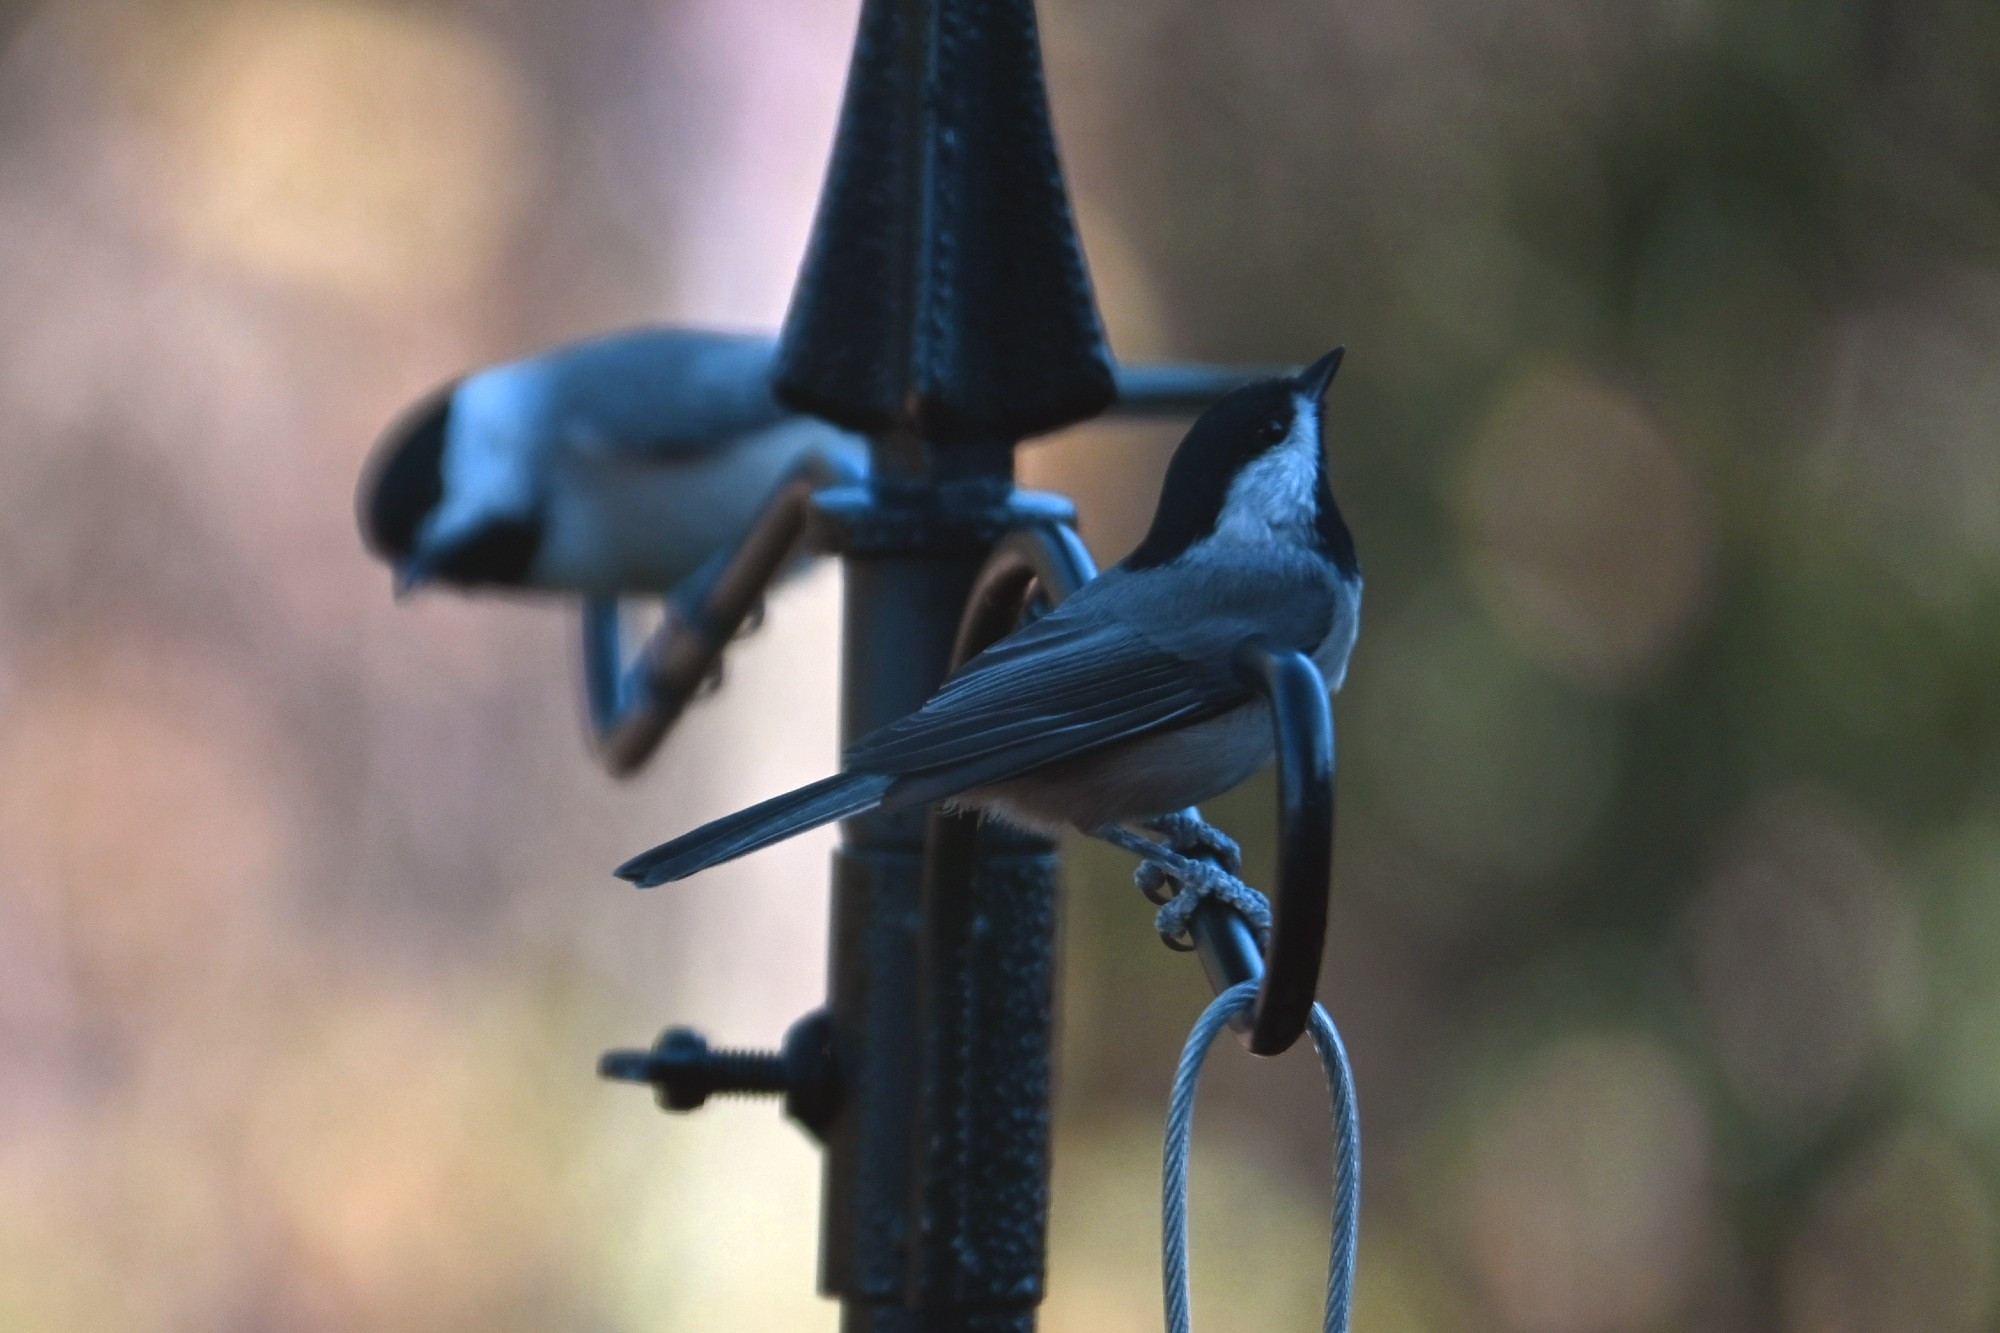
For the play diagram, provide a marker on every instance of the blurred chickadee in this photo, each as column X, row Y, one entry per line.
column 1121, row 705
column 619, row 464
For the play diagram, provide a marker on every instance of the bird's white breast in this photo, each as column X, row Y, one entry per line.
column 1152, row 775
column 617, row 523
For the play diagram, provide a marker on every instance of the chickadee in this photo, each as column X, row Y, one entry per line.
column 622, row 463
column 1121, row 705
column 619, row 464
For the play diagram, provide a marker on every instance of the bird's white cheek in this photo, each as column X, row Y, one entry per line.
column 1276, row 491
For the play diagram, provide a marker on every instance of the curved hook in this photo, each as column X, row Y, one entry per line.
column 631, row 708
column 1047, row 556
column 1303, row 720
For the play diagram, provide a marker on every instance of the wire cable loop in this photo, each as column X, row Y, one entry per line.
column 1233, row 1002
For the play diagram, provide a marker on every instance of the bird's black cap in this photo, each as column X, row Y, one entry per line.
column 404, row 479
column 404, row 482
column 1223, row 440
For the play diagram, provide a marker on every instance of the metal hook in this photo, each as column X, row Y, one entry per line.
column 1287, row 970
column 1047, row 557
column 1303, row 721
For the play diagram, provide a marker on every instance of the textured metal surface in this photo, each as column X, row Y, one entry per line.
column 988, row 1011
column 942, row 997
column 944, row 289
column 900, row 613
column 872, row 978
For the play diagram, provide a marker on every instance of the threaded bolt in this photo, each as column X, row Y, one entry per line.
column 686, row 1072
column 747, row 1073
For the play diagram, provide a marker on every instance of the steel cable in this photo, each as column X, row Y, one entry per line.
column 1347, row 1159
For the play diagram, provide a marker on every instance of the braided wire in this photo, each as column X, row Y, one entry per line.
column 1180, row 1133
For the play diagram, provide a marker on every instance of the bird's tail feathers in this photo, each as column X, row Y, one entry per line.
column 725, row 839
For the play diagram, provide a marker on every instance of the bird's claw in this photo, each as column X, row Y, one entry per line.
column 1189, row 834
column 1178, row 882
column 1155, row 882
column 1197, row 880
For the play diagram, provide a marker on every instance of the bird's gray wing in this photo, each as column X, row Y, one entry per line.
column 1123, row 657
column 661, row 393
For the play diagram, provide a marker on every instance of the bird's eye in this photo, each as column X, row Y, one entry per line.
column 1273, row 431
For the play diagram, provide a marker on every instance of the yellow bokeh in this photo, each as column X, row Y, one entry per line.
column 376, row 152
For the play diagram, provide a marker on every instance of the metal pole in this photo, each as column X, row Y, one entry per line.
column 944, row 309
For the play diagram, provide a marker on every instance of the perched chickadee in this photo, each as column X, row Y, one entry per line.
column 619, row 464
column 1120, row 706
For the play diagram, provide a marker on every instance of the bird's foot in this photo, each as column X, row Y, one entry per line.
column 1206, row 880
column 1192, row 880
column 1189, row 834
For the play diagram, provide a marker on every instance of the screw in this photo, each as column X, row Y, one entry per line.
column 685, row 1071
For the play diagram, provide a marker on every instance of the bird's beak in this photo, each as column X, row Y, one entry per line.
column 415, row 572
column 1315, row 378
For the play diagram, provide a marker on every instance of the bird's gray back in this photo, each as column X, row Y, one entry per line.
column 665, row 392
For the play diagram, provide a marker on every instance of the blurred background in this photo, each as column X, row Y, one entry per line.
column 1667, row 936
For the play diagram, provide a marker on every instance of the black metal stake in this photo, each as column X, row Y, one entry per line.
column 944, row 309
